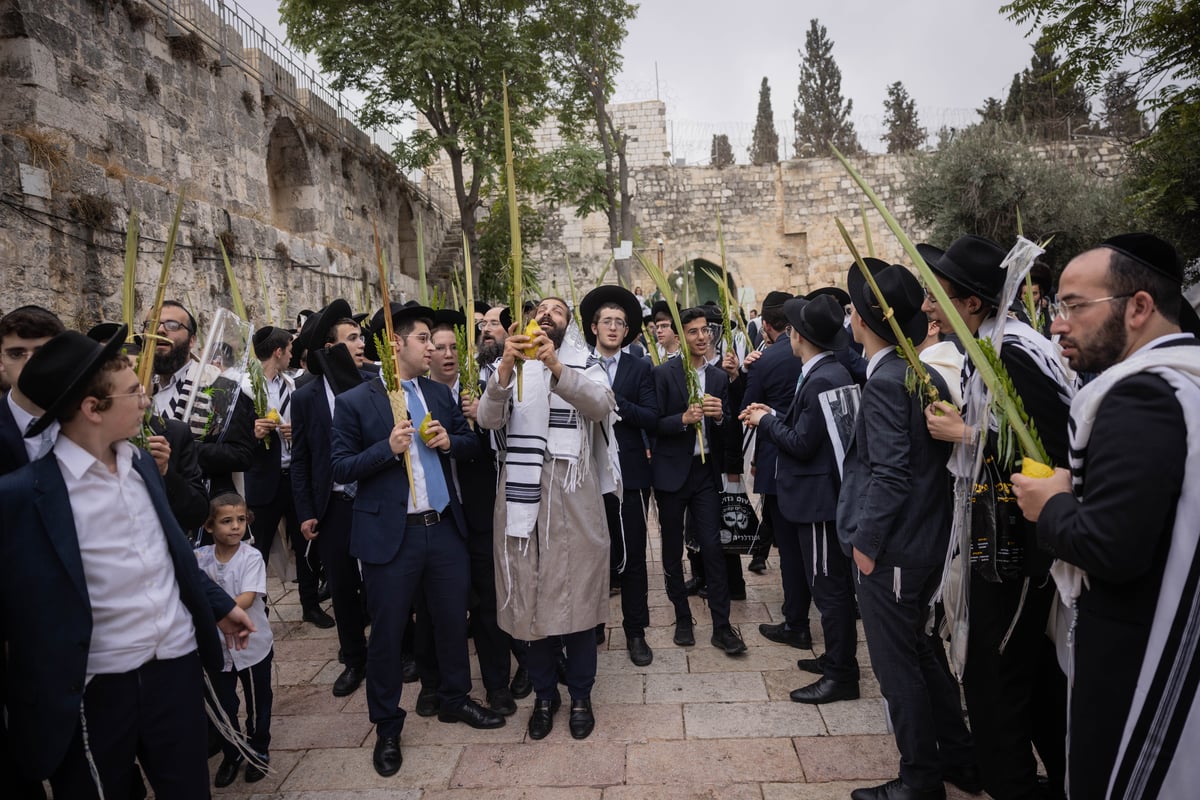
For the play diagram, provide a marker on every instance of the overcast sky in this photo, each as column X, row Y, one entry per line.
column 712, row 55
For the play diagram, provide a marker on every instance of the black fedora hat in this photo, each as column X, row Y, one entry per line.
column 481, row 307
column 317, row 326
column 973, row 263
column 660, row 307
column 818, row 320
column 903, row 294
column 609, row 293
column 774, row 299
column 104, row 332
column 836, row 292
column 57, row 374
column 450, row 316
column 400, row 313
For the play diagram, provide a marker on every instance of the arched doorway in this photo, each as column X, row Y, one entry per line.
column 294, row 199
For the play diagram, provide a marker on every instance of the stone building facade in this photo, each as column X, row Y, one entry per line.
column 113, row 107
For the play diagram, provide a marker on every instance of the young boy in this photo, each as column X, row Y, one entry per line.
column 239, row 569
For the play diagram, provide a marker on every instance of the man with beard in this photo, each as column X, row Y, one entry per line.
column 219, row 453
column 493, row 330
column 552, row 557
column 1125, row 520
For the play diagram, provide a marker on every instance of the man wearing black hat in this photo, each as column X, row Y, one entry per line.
column 850, row 356
column 805, row 510
column 1015, row 692
column 116, row 671
column 426, row 549
column 1124, row 521
column 335, row 344
column 666, row 339
column 610, row 314
column 893, row 519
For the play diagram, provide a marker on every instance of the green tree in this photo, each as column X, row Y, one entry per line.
column 1165, row 179
column 1045, row 103
column 904, row 131
column 722, row 152
column 822, row 115
column 976, row 182
column 492, row 251
column 1122, row 118
column 992, row 110
column 764, row 145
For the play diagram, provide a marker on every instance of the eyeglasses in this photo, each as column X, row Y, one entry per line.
column 1066, row 309
column 20, row 353
column 484, row 324
column 933, row 299
column 169, row 325
column 612, row 322
column 787, row 331
column 423, row 338
column 140, row 394
column 662, row 326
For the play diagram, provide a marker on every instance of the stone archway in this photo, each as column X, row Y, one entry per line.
column 294, row 196
column 694, row 286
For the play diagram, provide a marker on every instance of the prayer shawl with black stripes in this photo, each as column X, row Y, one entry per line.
column 1165, row 702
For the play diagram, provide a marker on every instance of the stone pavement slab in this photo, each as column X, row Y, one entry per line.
column 693, row 687
column 715, row 761
column 749, row 720
column 542, row 763
column 350, row 768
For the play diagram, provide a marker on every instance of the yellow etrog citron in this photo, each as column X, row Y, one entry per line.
column 532, row 329
column 1035, row 469
column 423, row 428
column 273, row 415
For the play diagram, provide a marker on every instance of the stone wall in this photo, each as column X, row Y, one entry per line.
column 111, row 108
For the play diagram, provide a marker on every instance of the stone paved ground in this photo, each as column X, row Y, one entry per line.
column 694, row 724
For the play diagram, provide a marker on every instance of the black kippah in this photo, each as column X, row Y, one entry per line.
column 1149, row 251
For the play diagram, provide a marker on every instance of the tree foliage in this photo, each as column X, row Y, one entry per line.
column 822, row 115
column 721, row 154
column 1165, row 179
column 1043, row 101
column 1122, row 118
column 904, row 131
column 976, row 182
column 492, row 252
column 764, row 145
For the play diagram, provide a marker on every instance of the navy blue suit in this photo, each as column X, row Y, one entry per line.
column 46, row 617
column 633, row 388
column 13, row 455
column 397, row 556
column 312, row 492
column 804, row 518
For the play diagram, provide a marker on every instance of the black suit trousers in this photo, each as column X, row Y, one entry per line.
column 793, row 568
column 266, row 520
column 827, row 574
column 921, row 694
column 1017, row 700
column 627, row 529
column 699, row 500
column 345, row 583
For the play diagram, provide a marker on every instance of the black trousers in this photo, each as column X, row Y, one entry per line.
column 627, row 530
column 921, row 694
column 699, row 500
column 827, row 575
column 345, row 583
column 266, row 520
column 432, row 559
column 766, row 537
column 1017, row 700
column 541, row 659
column 794, row 570
column 256, row 687
column 155, row 714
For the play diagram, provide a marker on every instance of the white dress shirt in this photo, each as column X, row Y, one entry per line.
column 137, row 614
column 23, row 419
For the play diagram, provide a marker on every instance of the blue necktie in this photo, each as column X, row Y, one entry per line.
column 431, row 465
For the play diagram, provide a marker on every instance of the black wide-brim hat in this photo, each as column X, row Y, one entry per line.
column 57, row 374
column 104, row 331
column 819, row 320
column 609, row 293
column 903, row 294
column 481, row 307
column 973, row 263
column 450, row 316
column 317, row 326
column 401, row 312
column 836, row 292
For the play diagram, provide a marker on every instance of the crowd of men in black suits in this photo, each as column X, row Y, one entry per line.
column 861, row 511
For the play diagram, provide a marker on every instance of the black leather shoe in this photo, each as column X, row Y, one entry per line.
column 898, row 790
column 227, row 772
column 582, row 722
column 729, row 640
column 428, row 703
column 521, row 686
column 323, row 591
column 685, row 636
column 965, row 777
column 812, row 665
column 541, row 721
column 350, row 679
column 693, row 585
column 782, row 634
column 702, row 592
column 639, row 652
column 501, row 701
column 317, row 616
column 254, row 773
column 826, row 690
column 758, row 565
column 387, row 758
column 471, row 713
column 408, row 669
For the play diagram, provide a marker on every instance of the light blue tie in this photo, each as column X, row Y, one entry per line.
column 431, row 465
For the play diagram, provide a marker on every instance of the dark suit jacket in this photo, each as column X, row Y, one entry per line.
column 312, row 426
column 807, row 480
column 362, row 423
column 264, row 473
column 184, row 480
column 895, row 500
column 770, row 380
column 45, row 616
column 671, row 458
column 633, row 387
column 478, row 478
column 233, row 452
column 13, row 455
